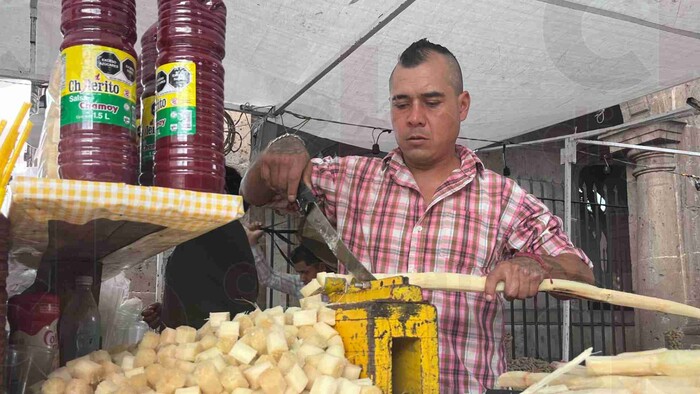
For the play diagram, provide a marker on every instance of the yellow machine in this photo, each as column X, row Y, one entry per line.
column 389, row 331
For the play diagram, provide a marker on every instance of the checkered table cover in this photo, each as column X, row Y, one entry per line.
column 184, row 214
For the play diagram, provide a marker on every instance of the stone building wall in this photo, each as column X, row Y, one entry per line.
column 664, row 211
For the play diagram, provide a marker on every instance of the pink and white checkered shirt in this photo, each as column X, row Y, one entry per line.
column 476, row 219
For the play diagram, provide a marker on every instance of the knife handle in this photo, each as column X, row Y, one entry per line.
column 305, row 196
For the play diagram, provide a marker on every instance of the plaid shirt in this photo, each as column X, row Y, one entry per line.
column 281, row 281
column 476, row 219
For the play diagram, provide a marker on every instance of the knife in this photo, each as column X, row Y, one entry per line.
column 315, row 217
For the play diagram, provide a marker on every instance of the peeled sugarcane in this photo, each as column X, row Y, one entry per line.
column 666, row 363
column 521, row 380
column 471, row 283
column 553, row 389
column 628, row 382
column 560, row 372
column 602, row 391
column 649, row 386
column 579, row 370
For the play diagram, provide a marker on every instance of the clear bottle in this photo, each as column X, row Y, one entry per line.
column 79, row 327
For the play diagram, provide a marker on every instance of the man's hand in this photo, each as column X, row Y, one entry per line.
column 277, row 172
column 254, row 233
column 152, row 316
column 522, row 277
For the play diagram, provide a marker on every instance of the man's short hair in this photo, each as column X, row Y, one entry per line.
column 302, row 253
column 418, row 52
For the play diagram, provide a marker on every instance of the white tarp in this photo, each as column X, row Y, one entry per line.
column 527, row 63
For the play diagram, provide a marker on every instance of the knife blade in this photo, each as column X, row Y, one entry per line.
column 315, row 217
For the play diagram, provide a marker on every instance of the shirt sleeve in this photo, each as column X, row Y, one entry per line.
column 536, row 230
column 324, row 182
column 280, row 281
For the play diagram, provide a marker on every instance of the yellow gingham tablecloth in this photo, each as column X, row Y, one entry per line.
column 185, row 214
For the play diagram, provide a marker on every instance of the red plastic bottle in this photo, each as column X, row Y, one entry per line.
column 190, row 95
column 33, row 319
column 137, row 107
column 149, row 54
column 98, row 96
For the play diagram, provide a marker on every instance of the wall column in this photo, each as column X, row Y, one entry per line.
column 655, row 228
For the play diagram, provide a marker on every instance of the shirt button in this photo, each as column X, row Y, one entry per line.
column 418, row 229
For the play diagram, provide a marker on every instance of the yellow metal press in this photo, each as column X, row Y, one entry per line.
column 389, row 331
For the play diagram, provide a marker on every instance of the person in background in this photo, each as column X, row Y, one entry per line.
column 431, row 206
column 211, row 273
column 306, row 264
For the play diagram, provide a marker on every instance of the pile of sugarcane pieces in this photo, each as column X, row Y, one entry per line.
column 653, row 371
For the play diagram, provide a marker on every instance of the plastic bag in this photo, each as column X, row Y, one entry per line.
column 128, row 327
column 47, row 152
column 113, row 293
column 19, row 278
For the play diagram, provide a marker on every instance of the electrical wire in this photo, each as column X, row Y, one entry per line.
column 632, row 164
column 249, row 128
column 599, row 116
column 530, row 147
column 338, row 122
column 231, row 133
column 484, row 140
column 301, row 124
column 307, row 118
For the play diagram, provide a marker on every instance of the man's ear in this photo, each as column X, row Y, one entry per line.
column 464, row 103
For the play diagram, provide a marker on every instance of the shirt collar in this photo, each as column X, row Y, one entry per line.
column 470, row 164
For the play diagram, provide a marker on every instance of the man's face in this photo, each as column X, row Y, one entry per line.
column 426, row 111
column 306, row 272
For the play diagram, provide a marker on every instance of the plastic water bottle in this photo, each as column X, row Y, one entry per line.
column 79, row 327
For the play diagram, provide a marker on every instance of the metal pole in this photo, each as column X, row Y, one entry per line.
column 568, row 158
column 640, row 147
column 679, row 113
column 160, row 276
column 383, row 20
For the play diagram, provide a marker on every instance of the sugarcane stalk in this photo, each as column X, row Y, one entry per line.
column 667, row 363
column 560, row 372
column 471, row 283
column 520, row 380
column 629, row 382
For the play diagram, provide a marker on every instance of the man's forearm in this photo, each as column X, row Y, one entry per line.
column 570, row 267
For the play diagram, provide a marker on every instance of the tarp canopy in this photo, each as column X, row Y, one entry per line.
column 528, row 64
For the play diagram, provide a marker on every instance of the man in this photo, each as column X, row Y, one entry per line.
column 306, row 264
column 431, row 206
column 211, row 273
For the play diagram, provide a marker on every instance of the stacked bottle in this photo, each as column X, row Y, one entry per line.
column 190, row 95
column 98, row 96
column 149, row 53
column 137, row 107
